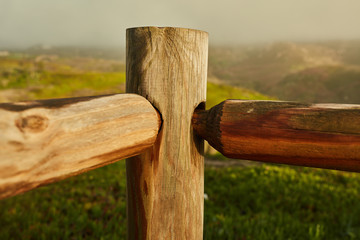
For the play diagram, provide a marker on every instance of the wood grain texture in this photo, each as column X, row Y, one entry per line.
column 168, row 66
column 320, row 135
column 44, row 141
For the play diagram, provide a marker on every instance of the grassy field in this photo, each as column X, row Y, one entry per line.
column 31, row 78
column 258, row 202
column 263, row 202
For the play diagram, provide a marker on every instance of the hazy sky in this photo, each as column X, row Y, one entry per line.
column 103, row 22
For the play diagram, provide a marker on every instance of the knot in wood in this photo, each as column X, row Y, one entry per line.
column 32, row 123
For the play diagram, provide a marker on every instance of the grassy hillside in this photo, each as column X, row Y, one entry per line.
column 260, row 202
column 49, row 77
column 217, row 93
column 265, row 202
column 321, row 84
column 278, row 69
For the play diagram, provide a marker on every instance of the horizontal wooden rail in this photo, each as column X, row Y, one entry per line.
column 44, row 141
column 320, row 135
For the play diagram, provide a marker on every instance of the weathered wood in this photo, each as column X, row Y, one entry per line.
column 165, row 184
column 320, row 135
column 44, row 141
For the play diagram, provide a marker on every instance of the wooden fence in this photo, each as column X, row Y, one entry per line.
column 159, row 126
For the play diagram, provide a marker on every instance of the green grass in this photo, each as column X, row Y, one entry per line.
column 60, row 85
column 53, row 79
column 216, row 93
column 91, row 205
column 265, row 202
column 271, row 202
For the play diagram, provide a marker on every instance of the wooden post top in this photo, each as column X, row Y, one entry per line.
column 165, row 28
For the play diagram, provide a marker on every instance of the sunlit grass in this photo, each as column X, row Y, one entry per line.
column 263, row 202
column 63, row 85
column 272, row 202
column 91, row 205
column 217, row 93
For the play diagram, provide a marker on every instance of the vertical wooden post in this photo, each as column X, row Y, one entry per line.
column 165, row 185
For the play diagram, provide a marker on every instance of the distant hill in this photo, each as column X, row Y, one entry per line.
column 321, row 84
column 277, row 69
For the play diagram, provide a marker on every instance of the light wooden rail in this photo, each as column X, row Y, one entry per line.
column 44, row 141
column 319, row 135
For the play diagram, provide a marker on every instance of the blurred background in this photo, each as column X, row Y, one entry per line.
column 288, row 50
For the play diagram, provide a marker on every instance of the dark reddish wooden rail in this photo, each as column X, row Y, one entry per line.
column 320, row 135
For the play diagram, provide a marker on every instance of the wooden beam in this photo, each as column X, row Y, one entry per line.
column 166, row 183
column 320, row 135
column 44, row 141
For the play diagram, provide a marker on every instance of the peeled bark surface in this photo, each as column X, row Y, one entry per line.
column 168, row 66
column 44, row 141
column 318, row 135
